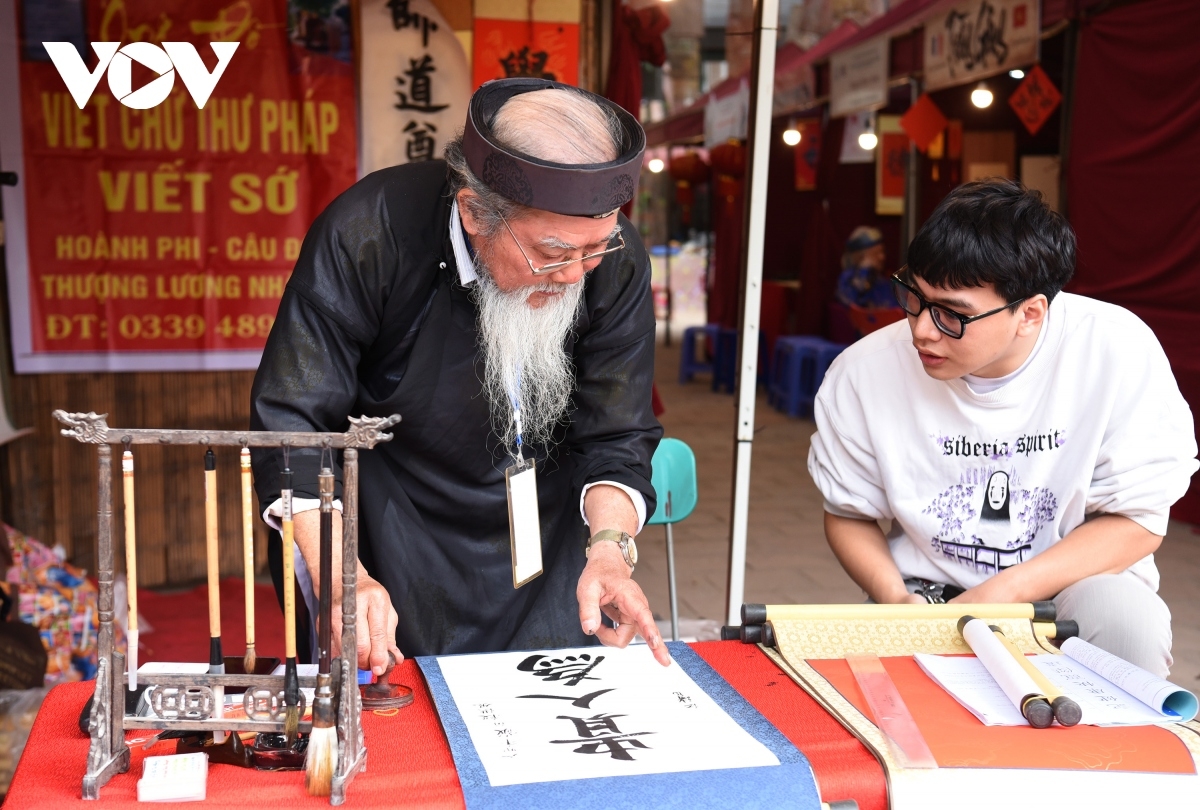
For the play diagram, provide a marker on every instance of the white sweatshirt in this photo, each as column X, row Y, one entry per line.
column 977, row 482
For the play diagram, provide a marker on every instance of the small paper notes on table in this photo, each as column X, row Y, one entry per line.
column 591, row 712
column 175, row 778
column 1129, row 696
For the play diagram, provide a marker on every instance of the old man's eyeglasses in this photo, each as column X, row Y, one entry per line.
column 554, row 267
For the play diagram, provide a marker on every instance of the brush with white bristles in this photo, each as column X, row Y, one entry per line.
column 131, row 634
column 320, row 762
column 250, row 660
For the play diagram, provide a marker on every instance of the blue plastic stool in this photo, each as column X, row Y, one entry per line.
column 688, row 364
column 674, row 480
column 795, row 359
column 725, row 361
column 825, row 357
column 799, row 368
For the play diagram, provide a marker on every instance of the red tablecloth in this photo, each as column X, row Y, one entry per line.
column 408, row 760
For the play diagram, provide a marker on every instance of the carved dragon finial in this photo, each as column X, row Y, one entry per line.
column 368, row 431
column 89, row 427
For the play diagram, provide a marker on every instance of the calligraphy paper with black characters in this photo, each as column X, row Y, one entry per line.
column 414, row 83
column 591, row 711
column 717, row 721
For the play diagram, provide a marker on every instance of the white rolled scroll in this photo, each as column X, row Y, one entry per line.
column 1015, row 682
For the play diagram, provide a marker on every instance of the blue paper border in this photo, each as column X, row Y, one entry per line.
column 791, row 784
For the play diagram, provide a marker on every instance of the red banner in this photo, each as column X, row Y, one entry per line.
column 162, row 238
column 543, row 50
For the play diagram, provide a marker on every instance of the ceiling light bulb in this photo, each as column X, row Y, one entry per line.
column 791, row 136
column 656, row 165
column 981, row 97
column 1017, row 74
column 868, row 141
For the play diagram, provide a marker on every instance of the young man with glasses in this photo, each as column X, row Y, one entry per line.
column 1024, row 443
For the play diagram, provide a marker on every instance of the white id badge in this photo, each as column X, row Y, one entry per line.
column 524, row 527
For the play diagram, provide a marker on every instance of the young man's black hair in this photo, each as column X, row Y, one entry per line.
column 995, row 232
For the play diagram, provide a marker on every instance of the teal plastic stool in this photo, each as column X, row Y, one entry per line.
column 674, row 479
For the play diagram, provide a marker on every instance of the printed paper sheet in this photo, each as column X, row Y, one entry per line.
column 1103, row 704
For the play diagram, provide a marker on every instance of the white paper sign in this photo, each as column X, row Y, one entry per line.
column 856, row 124
column 980, row 38
column 725, row 118
column 858, row 78
column 414, row 84
column 591, row 712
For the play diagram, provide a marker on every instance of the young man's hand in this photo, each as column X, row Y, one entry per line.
column 993, row 591
column 1106, row 544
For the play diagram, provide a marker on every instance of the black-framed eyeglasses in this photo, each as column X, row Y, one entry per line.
column 554, row 267
column 947, row 321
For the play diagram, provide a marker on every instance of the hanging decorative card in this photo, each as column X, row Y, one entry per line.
column 1035, row 99
column 808, row 153
column 795, row 89
column 891, row 165
column 539, row 39
column 924, row 123
column 414, row 83
column 602, row 727
column 975, row 39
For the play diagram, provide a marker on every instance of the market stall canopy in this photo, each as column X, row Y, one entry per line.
column 905, row 17
column 794, row 87
column 793, row 90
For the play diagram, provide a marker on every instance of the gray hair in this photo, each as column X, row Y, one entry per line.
column 557, row 125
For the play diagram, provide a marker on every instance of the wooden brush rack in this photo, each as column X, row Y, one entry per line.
column 186, row 702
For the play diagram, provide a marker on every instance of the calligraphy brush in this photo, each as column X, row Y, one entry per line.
column 131, row 633
column 216, row 659
column 320, row 761
column 291, row 683
column 250, row 659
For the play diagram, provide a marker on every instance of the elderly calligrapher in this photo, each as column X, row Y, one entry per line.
column 501, row 304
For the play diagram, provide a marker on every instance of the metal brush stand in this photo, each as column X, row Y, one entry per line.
column 185, row 702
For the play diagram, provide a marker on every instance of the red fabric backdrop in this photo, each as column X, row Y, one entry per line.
column 1133, row 178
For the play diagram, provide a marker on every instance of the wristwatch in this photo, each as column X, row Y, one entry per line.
column 624, row 541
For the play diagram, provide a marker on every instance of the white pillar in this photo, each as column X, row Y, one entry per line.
column 762, row 87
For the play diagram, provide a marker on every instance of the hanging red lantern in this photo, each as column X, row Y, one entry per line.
column 687, row 169
column 729, row 159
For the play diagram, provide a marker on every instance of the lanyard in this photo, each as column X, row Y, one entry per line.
column 515, row 396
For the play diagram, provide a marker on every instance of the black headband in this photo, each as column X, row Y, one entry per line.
column 578, row 190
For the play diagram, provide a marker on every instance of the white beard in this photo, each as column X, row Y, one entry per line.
column 524, row 350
